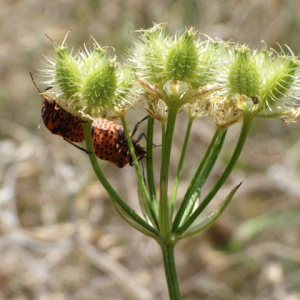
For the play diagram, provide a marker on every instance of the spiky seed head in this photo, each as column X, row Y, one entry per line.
column 261, row 82
column 67, row 76
column 281, row 81
column 99, row 87
column 172, row 67
column 243, row 75
column 107, row 86
column 148, row 55
column 182, row 59
column 90, row 83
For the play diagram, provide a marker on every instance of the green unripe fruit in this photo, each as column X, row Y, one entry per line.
column 182, row 59
column 280, row 79
column 244, row 78
column 67, row 73
column 99, row 86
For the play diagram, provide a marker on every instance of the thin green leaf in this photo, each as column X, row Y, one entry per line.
column 190, row 206
column 212, row 217
column 132, row 222
column 143, row 204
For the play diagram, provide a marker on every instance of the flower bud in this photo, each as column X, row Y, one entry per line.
column 291, row 115
column 158, row 110
column 197, row 109
column 175, row 90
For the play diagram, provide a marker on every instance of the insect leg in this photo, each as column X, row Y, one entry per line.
column 144, row 135
column 140, row 137
column 78, row 147
column 131, row 163
column 137, row 125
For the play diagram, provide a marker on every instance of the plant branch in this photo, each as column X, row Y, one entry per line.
column 201, row 174
column 164, row 211
column 179, row 168
column 148, row 229
column 236, row 154
column 148, row 207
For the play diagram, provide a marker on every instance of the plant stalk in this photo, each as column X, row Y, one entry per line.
column 150, row 172
column 152, row 213
column 110, row 190
column 170, row 271
column 179, row 168
column 235, row 156
column 164, row 211
column 201, row 174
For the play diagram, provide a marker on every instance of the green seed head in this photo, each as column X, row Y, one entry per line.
column 99, row 86
column 67, row 73
column 280, row 75
column 148, row 55
column 244, row 77
column 107, row 86
column 173, row 68
column 182, row 59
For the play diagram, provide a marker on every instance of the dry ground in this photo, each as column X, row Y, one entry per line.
column 60, row 238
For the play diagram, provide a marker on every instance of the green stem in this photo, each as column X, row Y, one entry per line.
column 271, row 115
column 179, row 168
column 150, row 172
column 163, row 132
column 110, row 190
column 235, row 156
column 164, row 212
column 151, row 213
column 170, row 271
column 201, row 174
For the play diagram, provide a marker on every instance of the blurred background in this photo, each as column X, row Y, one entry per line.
column 60, row 237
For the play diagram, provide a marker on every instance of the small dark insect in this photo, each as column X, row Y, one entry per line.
column 254, row 99
column 109, row 140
